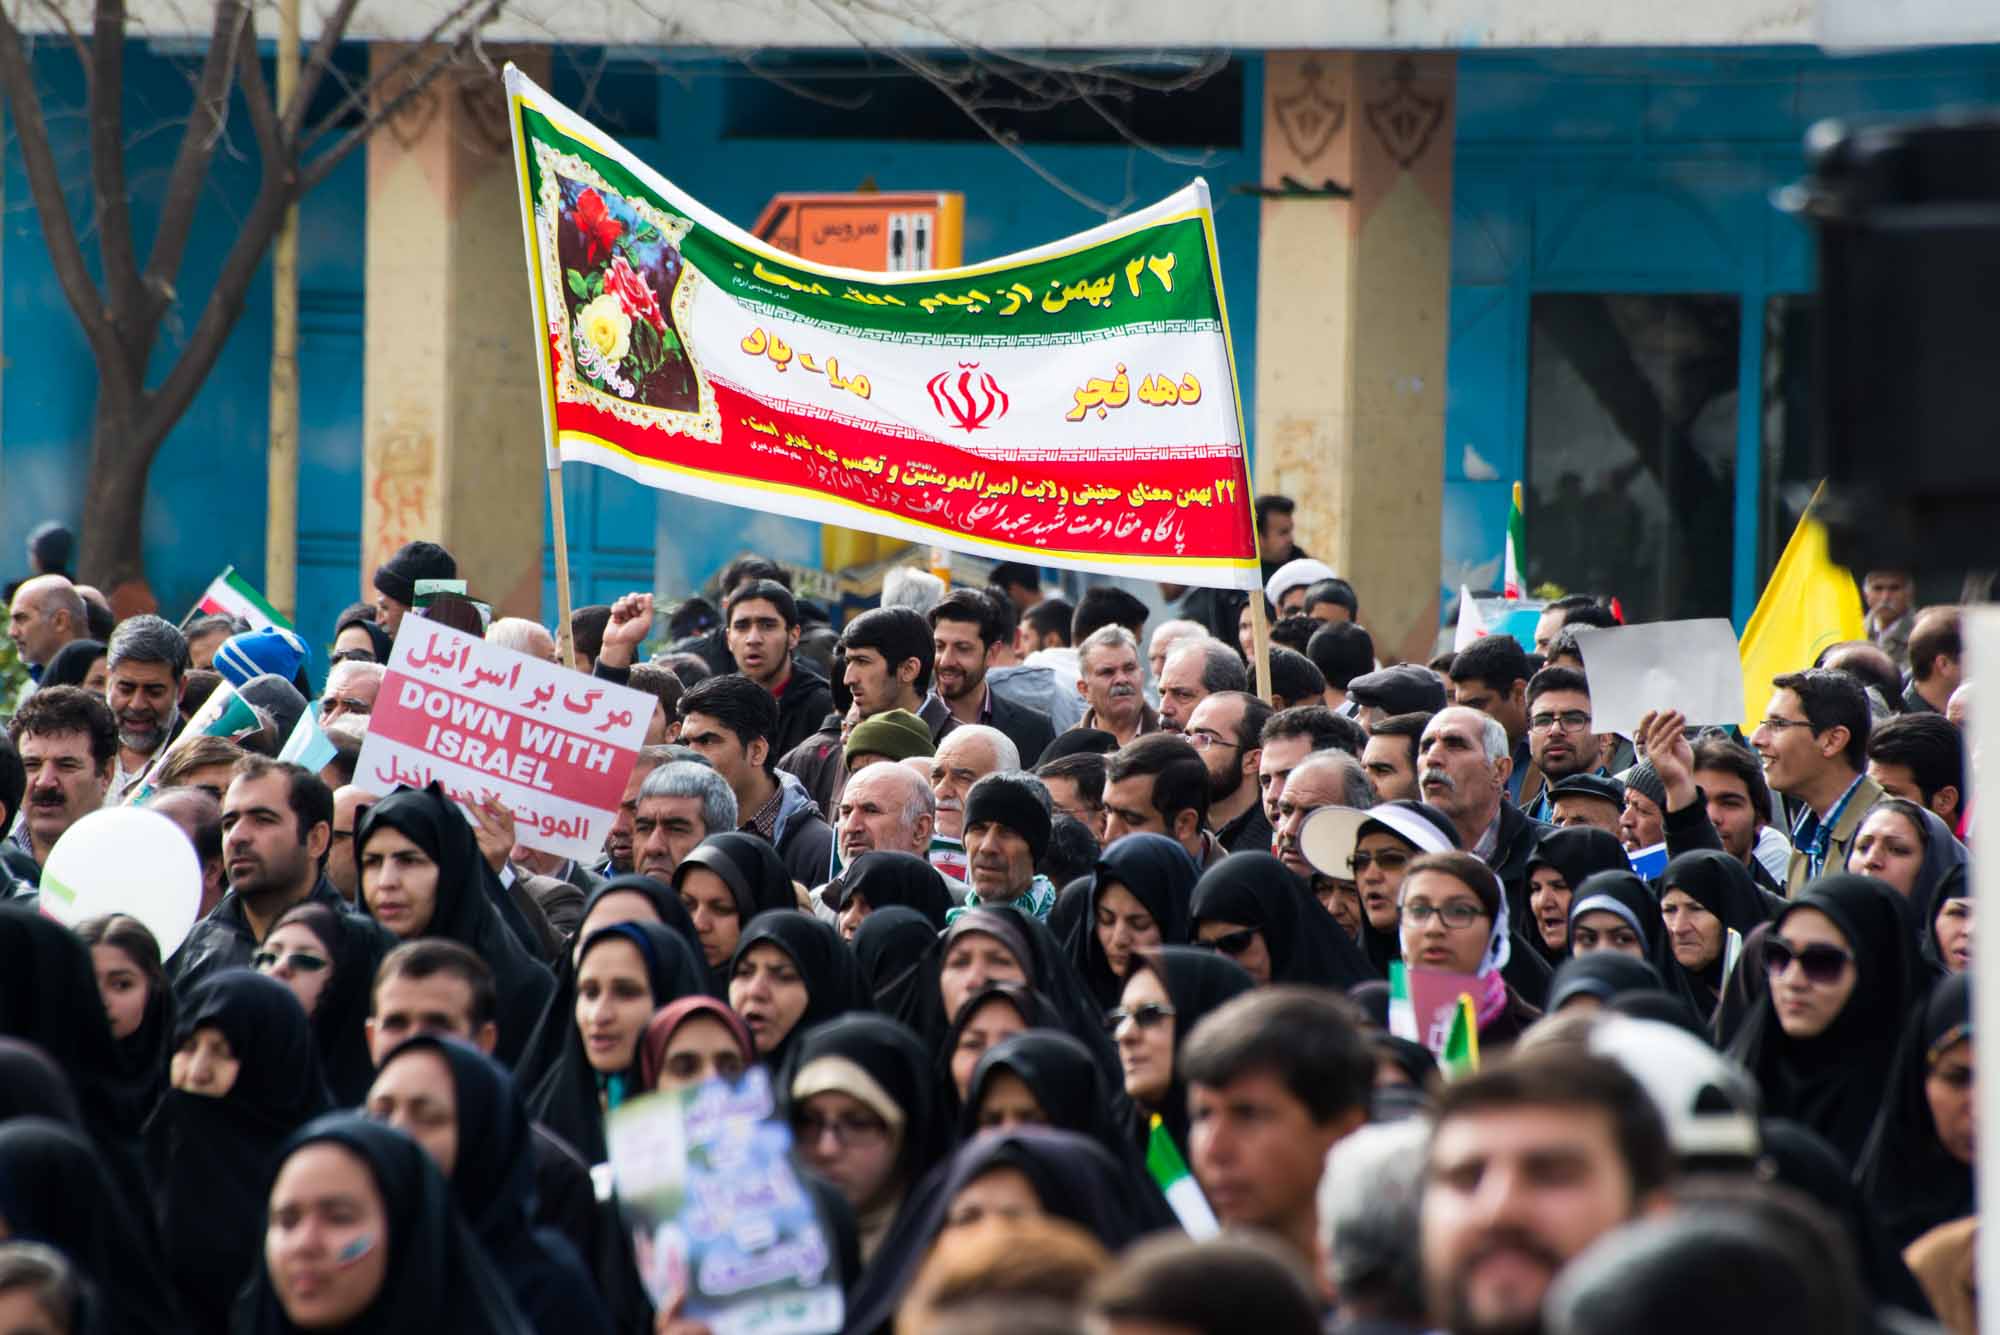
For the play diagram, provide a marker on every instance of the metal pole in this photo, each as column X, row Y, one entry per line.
column 281, row 523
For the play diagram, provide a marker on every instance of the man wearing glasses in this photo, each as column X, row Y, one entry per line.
column 1225, row 728
column 1814, row 742
column 1559, row 736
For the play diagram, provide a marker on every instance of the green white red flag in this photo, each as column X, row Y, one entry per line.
column 1517, row 529
column 231, row 595
column 1073, row 405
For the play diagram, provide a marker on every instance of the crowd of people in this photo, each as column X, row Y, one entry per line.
column 1067, row 953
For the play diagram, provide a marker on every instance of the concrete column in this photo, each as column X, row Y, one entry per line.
column 453, row 436
column 1352, row 322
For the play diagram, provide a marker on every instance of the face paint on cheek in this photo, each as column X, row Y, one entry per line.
column 355, row 1250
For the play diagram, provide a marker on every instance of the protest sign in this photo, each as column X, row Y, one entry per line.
column 556, row 746
column 1689, row 666
column 1073, row 405
column 718, row 1218
column 125, row 860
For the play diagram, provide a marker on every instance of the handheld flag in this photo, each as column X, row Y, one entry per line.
column 1073, row 405
column 1183, row 1193
column 1808, row 604
column 231, row 595
column 309, row 746
column 1460, row 1056
column 1516, row 541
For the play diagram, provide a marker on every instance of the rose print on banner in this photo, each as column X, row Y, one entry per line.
column 616, row 267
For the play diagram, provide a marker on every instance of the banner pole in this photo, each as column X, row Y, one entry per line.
column 566, row 645
column 1260, row 646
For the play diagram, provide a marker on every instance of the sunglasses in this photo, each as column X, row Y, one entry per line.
column 298, row 961
column 353, row 656
column 1147, row 1015
column 1388, row 859
column 1230, row 943
column 1821, row 964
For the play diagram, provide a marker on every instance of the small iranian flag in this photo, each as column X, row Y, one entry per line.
column 1461, row 1046
column 1183, row 1193
column 231, row 595
column 1516, row 540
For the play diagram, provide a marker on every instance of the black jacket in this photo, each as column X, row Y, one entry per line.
column 1248, row 833
column 223, row 940
column 1518, row 834
column 808, row 698
column 819, row 763
column 1030, row 732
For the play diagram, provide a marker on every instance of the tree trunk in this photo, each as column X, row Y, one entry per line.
column 114, row 507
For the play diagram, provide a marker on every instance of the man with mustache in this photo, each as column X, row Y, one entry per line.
column 1532, row 1160
column 146, row 662
column 1323, row 779
column 1463, row 765
column 1109, row 658
column 68, row 741
column 1007, row 823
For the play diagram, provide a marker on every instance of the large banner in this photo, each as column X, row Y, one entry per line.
column 1073, row 405
column 556, row 746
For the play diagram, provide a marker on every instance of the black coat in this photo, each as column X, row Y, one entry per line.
column 223, row 940
column 1030, row 732
column 808, row 698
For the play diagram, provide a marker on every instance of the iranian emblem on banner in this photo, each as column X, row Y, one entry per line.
column 1073, row 405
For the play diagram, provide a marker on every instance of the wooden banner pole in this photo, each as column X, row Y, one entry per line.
column 1260, row 646
column 566, row 644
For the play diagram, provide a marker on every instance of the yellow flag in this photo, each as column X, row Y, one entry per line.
column 1809, row 603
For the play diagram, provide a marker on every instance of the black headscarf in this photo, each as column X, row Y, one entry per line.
column 1602, row 974
column 570, row 1098
column 890, row 880
column 54, row 1190
column 71, row 663
column 756, row 878
column 1197, row 982
column 552, row 1030
column 825, row 965
column 1065, row 1080
column 895, row 954
column 378, row 638
column 144, row 1053
column 210, row 1158
column 1833, row 1083
column 1050, row 974
column 1804, row 1161
column 1075, row 1178
column 1578, row 852
column 493, row 1181
column 1159, row 873
column 1954, row 884
column 356, row 946
column 1305, row 943
column 1912, row 1184
column 439, row 1280
column 1034, row 1010
column 33, row 1086
column 1641, row 904
column 468, row 908
column 1722, row 885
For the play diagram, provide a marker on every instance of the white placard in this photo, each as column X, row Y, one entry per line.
column 1691, row 666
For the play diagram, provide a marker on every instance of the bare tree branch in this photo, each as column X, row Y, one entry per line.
column 279, row 167
column 107, row 169
column 206, row 117
column 314, row 69
column 481, row 12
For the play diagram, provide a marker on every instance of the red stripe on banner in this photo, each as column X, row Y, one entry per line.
column 458, row 729
column 1167, row 501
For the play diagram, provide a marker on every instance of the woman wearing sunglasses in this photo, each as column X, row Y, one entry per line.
column 1167, row 993
column 1454, row 920
column 329, row 960
column 1917, row 1171
column 1843, row 972
column 1375, row 847
column 1251, row 908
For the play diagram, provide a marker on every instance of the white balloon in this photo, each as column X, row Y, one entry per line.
column 125, row 860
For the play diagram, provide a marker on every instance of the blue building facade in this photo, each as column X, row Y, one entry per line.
column 1629, row 315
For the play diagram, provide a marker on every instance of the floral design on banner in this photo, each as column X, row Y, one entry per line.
column 619, row 334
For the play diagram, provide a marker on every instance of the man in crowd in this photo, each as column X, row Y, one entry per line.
column 1157, row 784
column 959, row 763
column 681, row 803
column 1406, row 688
column 1032, row 688
column 46, row 613
column 1920, row 757
column 351, row 690
column 1739, row 807
column 1227, row 729
column 1019, row 583
column 761, row 620
column 1276, row 1077
column 967, row 627
column 1288, row 737
column 1560, row 742
column 886, row 808
column 729, row 721
column 342, row 872
column 396, row 580
column 523, row 637
column 1341, row 651
column 1294, row 680
column 1196, row 669
column 1324, row 779
column 586, row 633
column 145, row 662
column 1109, row 657
column 199, row 815
column 1369, row 1197
column 1331, row 601
column 1464, row 770
column 1595, row 800
column 1007, row 824
column 1937, row 653
column 1531, row 1160
column 277, row 824
column 1813, row 742
column 1491, row 676
column 68, row 743
column 889, row 655
column 1578, row 609
column 1286, row 588
column 1390, row 757
column 1167, row 637
column 1076, row 788
column 658, row 681
column 1275, row 536
column 1889, row 595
